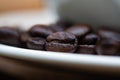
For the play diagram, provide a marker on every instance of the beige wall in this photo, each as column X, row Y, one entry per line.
column 8, row 5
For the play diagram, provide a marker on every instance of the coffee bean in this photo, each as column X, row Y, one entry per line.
column 61, row 25
column 109, row 34
column 9, row 36
column 57, row 28
column 90, row 39
column 86, row 49
column 40, row 31
column 110, row 42
column 79, row 30
column 24, row 37
column 62, row 37
column 61, row 42
column 36, row 43
column 107, row 47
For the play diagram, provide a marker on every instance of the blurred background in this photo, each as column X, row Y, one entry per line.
column 24, row 13
column 12, row 5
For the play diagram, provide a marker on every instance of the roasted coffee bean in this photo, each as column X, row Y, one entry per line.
column 36, row 43
column 57, row 28
column 110, row 42
column 40, row 31
column 9, row 36
column 79, row 30
column 86, row 49
column 24, row 37
column 61, row 42
column 90, row 39
column 109, row 34
column 108, row 47
column 64, row 37
column 61, row 25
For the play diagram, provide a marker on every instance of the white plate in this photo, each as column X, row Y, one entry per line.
column 74, row 61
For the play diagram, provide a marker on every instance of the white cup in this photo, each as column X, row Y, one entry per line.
column 95, row 12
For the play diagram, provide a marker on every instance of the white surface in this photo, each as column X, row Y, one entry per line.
column 60, row 57
column 26, row 19
column 74, row 61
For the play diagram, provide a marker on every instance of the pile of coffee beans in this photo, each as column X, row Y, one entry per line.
column 63, row 36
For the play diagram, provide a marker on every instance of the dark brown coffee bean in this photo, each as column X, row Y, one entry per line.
column 36, row 43
column 9, row 36
column 57, row 28
column 24, row 37
column 107, row 47
column 60, row 47
column 86, row 49
column 40, row 31
column 110, row 42
column 61, row 42
column 61, row 25
column 109, row 34
column 90, row 39
column 62, row 36
column 79, row 30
